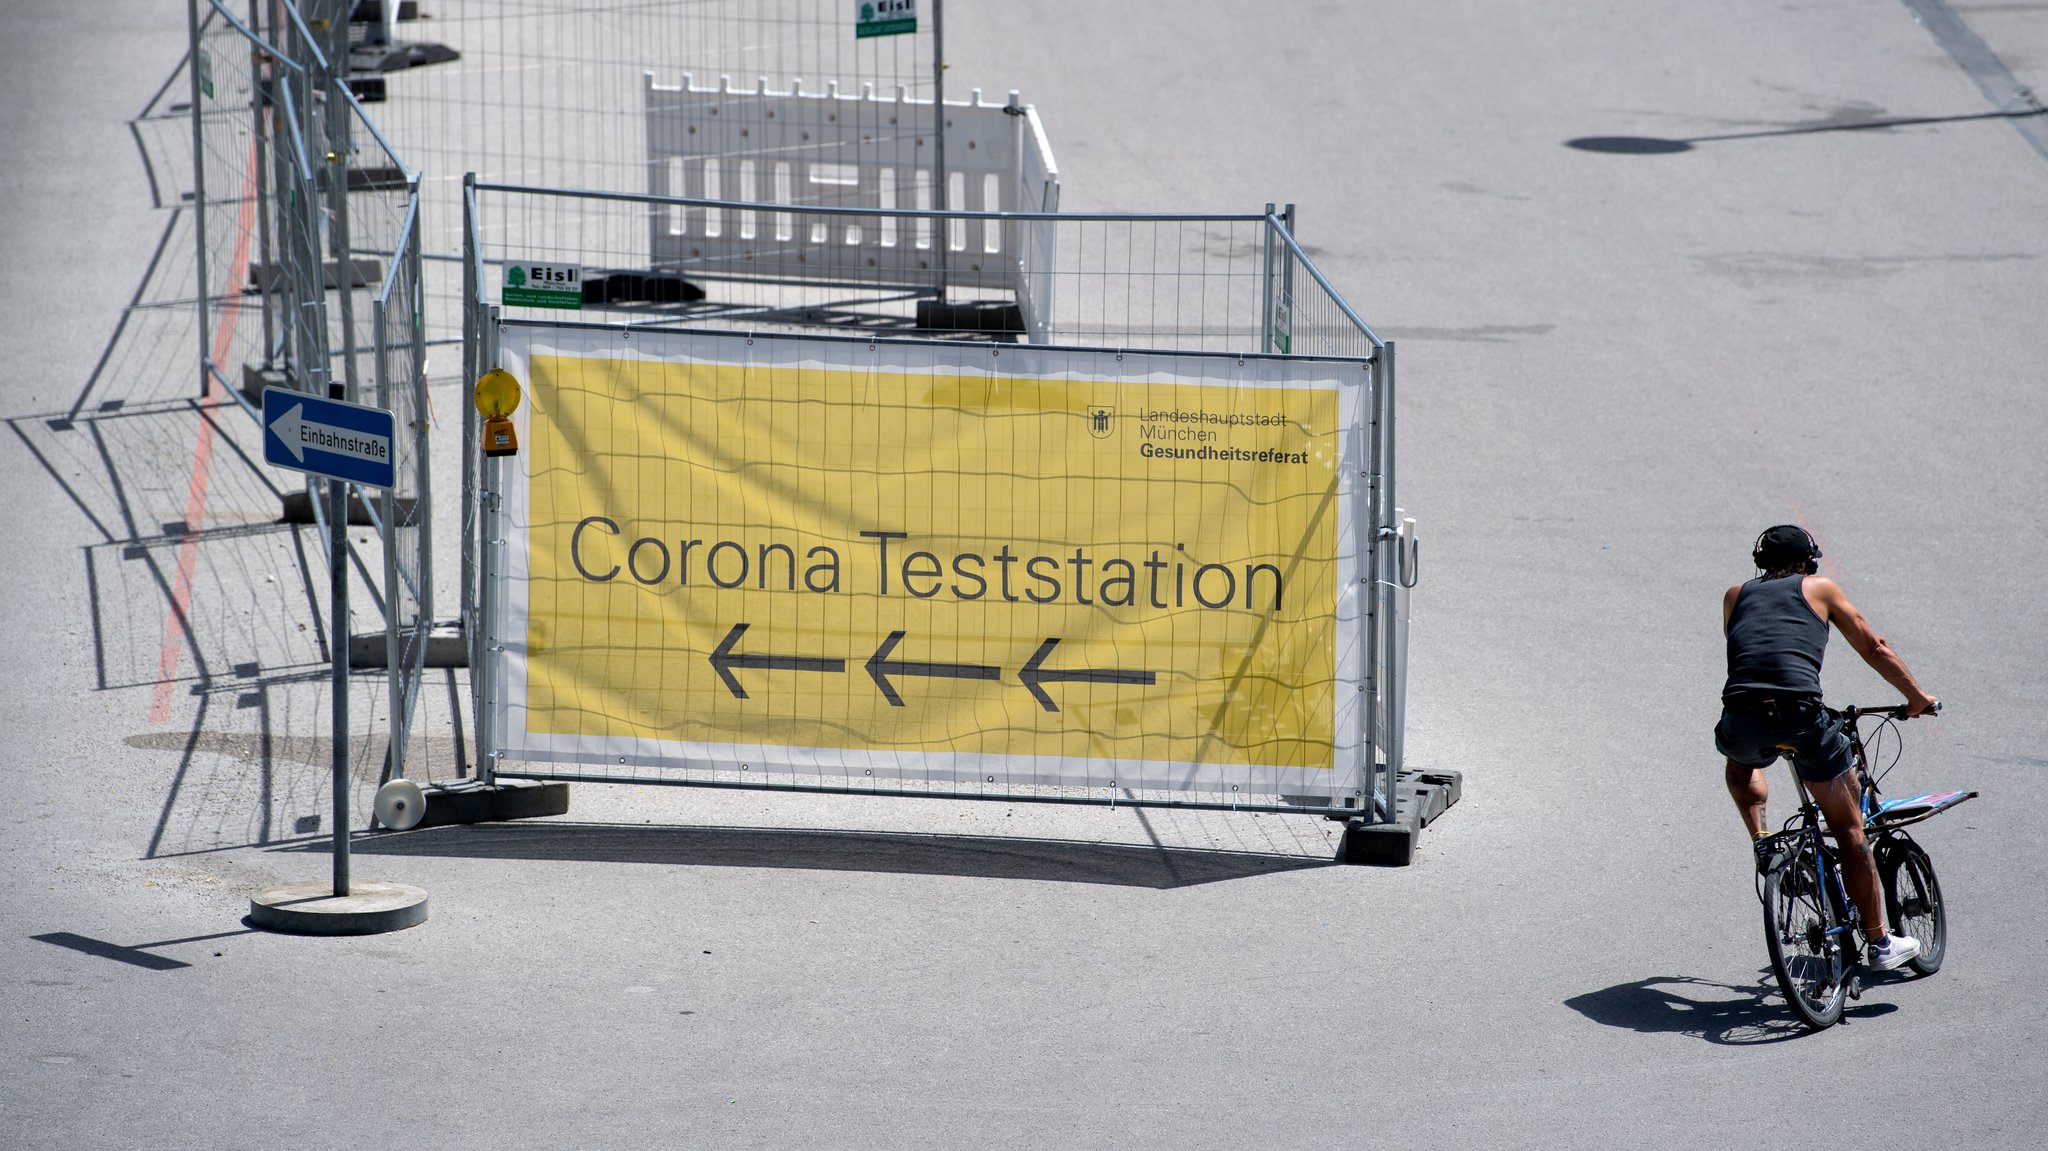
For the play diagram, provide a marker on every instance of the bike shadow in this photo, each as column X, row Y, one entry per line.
column 1723, row 1013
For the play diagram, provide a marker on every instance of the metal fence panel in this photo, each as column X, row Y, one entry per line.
column 228, row 182
column 1168, row 282
column 1307, row 316
column 808, row 211
column 406, row 528
column 1237, row 285
column 989, row 571
column 323, row 238
column 548, row 92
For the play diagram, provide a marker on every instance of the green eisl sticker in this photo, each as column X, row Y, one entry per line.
column 543, row 286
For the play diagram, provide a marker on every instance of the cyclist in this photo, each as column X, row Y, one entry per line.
column 1777, row 629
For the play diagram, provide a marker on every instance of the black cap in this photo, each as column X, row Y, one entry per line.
column 1784, row 546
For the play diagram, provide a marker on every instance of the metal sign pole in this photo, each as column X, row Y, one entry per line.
column 346, row 444
column 337, row 634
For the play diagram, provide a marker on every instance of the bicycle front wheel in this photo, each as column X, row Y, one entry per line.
column 1913, row 901
column 1803, row 932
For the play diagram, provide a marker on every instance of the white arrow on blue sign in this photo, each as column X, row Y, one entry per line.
column 331, row 438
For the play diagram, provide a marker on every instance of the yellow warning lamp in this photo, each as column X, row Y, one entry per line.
column 497, row 397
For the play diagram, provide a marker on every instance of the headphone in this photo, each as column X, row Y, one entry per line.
column 1781, row 539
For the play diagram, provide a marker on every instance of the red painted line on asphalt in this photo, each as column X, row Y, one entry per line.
column 202, row 454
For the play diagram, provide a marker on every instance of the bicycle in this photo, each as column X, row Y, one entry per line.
column 1811, row 926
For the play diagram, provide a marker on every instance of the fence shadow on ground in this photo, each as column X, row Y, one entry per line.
column 1723, row 1013
column 981, row 857
column 1852, row 119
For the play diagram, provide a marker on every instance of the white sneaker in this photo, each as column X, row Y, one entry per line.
column 1892, row 951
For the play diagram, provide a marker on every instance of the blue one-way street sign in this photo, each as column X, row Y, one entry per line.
column 329, row 438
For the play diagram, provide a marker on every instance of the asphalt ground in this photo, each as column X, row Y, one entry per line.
column 1616, row 367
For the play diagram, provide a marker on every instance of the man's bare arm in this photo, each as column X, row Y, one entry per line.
column 1856, row 630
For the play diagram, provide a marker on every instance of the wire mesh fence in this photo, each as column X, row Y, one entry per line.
column 310, row 272
column 1309, row 316
column 552, row 91
column 378, row 231
column 229, row 173
column 1131, row 286
column 718, row 165
column 557, row 93
column 1173, row 282
column 399, row 342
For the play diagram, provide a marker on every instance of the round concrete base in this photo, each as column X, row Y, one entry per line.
column 313, row 909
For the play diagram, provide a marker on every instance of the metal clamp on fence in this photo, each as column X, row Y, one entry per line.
column 1407, row 552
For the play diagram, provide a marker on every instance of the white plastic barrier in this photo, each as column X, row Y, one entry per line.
column 797, row 148
column 1038, row 190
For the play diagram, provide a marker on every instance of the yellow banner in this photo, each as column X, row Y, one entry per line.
column 895, row 560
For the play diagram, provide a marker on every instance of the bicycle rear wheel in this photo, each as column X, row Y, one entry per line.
column 1800, row 928
column 1912, row 900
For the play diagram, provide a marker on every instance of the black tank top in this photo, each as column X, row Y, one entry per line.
column 1775, row 642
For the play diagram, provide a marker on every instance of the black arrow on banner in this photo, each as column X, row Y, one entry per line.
column 881, row 667
column 723, row 661
column 1032, row 676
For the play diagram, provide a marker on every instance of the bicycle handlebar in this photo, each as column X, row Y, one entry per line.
column 1895, row 711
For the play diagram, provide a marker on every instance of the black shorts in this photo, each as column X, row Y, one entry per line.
column 1754, row 733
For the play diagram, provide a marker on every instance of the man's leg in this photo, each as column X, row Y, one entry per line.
column 1751, row 791
column 1838, row 801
